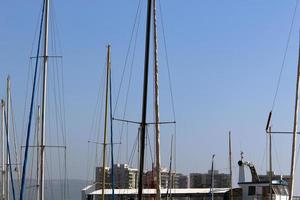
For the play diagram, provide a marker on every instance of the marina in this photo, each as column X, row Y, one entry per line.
column 182, row 117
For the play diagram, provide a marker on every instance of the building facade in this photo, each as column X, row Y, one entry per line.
column 200, row 180
column 124, row 177
column 171, row 180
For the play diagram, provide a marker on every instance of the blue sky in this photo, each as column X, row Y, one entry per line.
column 224, row 58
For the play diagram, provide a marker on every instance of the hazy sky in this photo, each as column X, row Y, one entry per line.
column 224, row 56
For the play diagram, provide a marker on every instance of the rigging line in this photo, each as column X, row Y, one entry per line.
column 49, row 180
column 127, row 56
column 98, row 123
column 263, row 155
column 63, row 99
column 57, row 112
column 61, row 110
column 15, row 141
column 100, row 92
column 36, row 30
column 284, row 55
column 276, row 153
column 57, row 99
column 9, row 159
column 149, row 143
column 49, row 167
column 56, row 25
column 56, row 107
column 130, row 77
column 132, row 154
column 26, row 97
column 94, row 129
column 67, row 187
column 170, row 169
column 31, row 108
column 170, row 83
column 63, row 129
column 60, row 92
column 57, row 48
column 175, row 145
column 87, row 165
column 297, row 156
column 29, row 195
column 127, row 142
column 167, row 60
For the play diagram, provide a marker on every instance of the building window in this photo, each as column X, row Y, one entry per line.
column 251, row 190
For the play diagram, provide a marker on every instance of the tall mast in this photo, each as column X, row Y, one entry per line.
column 44, row 105
column 145, row 94
column 38, row 145
column 212, row 177
column 105, row 120
column 295, row 129
column 270, row 162
column 7, row 139
column 3, row 192
column 156, row 105
column 230, row 166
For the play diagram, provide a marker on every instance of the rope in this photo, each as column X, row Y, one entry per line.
column 149, row 143
column 59, row 104
column 127, row 55
column 15, row 142
column 31, row 107
column 170, row 170
column 129, row 80
column 132, row 154
column 284, row 55
column 167, row 61
column 277, row 156
column 170, row 82
column 93, row 136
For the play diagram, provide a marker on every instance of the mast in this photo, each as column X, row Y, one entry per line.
column 145, row 94
column 44, row 105
column 7, row 139
column 230, row 166
column 156, row 105
column 270, row 162
column 105, row 120
column 3, row 192
column 212, row 177
column 111, row 137
column 295, row 129
column 38, row 144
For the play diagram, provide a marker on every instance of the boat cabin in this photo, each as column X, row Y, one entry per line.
column 256, row 189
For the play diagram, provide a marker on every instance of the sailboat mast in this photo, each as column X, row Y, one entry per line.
column 212, row 177
column 295, row 129
column 7, row 139
column 3, row 149
column 270, row 161
column 230, row 166
column 156, row 106
column 144, row 107
column 38, row 144
column 44, row 105
column 105, row 120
